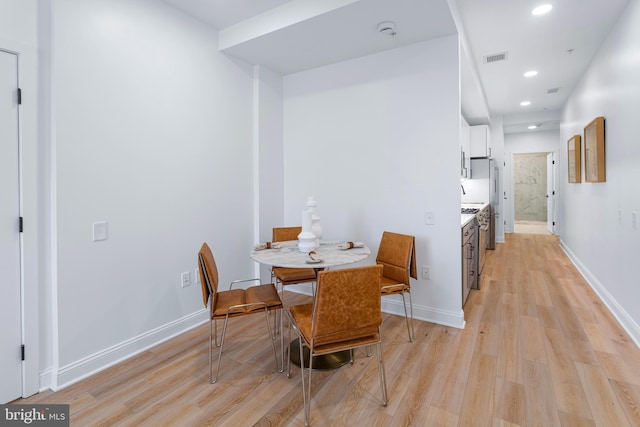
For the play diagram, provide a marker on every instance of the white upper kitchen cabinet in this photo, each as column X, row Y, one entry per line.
column 480, row 141
column 465, row 155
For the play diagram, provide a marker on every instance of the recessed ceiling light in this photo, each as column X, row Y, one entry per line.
column 542, row 9
column 525, row 103
column 532, row 127
column 531, row 73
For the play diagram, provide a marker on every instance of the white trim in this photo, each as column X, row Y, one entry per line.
column 101, row 360
column 256, row 161
column 53, row 206
column 626, row 321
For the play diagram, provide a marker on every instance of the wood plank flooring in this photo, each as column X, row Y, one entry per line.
column 539, row 349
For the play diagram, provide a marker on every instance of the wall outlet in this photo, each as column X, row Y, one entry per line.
column 185, row 280
column 634, row 220
column 426, row 272
column 197, row 275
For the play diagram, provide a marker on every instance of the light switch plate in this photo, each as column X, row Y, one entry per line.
column 429, row 218
column 99, row 231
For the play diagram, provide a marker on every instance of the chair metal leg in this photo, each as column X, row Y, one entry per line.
column 281, row 339
column 273, row 344
column 215, row 332
column 210, row 350
column 224, row 331
column 288, row 353
column 383, row 378
column 413, row 334
column 307, row 401
column 406, row 316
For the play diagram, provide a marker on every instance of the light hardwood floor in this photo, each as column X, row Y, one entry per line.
column 539, row 349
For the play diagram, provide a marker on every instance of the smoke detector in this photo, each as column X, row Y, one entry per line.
column 388, row 28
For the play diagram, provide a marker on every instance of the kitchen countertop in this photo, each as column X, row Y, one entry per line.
column 466, row 219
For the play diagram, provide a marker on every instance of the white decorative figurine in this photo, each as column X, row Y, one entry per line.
column 316, row 228
column 306, row 238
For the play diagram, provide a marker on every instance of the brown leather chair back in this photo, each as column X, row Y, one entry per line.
column 208, row 276
column 398, row 256
column 283, row 234
column 347, row 304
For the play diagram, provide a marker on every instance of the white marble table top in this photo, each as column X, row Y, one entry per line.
column 288, row 255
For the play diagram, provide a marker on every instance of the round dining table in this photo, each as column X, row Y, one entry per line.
column 330, row 253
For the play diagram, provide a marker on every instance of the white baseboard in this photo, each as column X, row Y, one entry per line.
column 626, row 321
column 97, row 362
column 393, row 305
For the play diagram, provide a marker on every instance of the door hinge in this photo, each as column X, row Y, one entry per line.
column 22, row 351
column 19, row 96
column 20, row 225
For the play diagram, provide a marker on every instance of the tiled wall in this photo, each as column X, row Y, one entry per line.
column 530, row 186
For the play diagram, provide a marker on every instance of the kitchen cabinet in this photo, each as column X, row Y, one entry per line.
column 465, row 154
column 479, row 141
column 469, row 258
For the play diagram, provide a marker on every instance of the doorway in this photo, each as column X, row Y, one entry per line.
column 10, row 242
column 533, row 193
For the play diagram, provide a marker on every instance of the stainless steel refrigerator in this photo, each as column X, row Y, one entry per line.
column 482, row 187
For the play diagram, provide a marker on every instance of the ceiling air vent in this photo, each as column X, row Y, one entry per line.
column 553, row 90
column 496, row 57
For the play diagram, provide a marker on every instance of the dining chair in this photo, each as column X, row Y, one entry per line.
column 290, row 276
column 234, row 303
column 397, row 253
column 346, row 314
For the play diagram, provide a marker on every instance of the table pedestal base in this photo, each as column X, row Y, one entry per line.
column 322, row 362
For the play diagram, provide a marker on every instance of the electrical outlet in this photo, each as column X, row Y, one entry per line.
column 426, row 272
column 185, row 280
column 197, row 275
column 634, row 220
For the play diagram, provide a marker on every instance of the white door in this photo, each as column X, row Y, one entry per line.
column 10, row 317
column 551, row 194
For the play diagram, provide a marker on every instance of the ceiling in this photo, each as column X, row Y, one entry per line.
column 289, row 36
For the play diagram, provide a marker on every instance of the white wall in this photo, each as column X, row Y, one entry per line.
column 528, row 142
column 269, row 157
column 605, row 248
column 376, row 141
column 153, row 129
